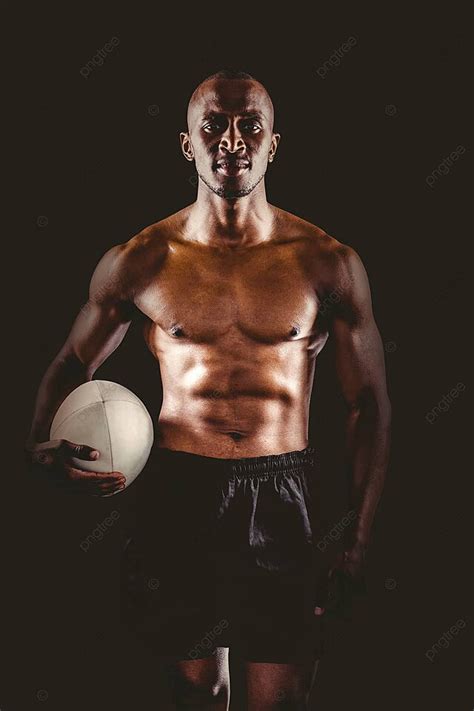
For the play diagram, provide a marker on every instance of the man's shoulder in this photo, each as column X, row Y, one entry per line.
column 334, row 267
column 315, row 238
column 155, row 237
column 126, row 265
column 145, row 249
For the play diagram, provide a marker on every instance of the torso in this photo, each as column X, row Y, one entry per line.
column 236, row 333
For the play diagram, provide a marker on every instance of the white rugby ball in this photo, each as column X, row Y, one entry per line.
column 111, row 419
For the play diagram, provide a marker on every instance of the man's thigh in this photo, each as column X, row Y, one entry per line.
column 272, row 687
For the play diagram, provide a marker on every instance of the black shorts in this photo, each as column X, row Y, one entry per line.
column 222, row 555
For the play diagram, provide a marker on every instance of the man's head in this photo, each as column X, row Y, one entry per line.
column 230, row 133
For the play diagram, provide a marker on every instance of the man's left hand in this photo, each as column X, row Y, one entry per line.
column 346, row 580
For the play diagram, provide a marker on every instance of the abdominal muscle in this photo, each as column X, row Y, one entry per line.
column 216, row 417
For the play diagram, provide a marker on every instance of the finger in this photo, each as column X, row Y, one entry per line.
column 82, row 476
column 80, row 451
column 112, row 487
column 99, row 478
column 99, row 482
column 107, row 491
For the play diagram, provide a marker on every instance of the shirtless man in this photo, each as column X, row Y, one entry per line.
column 237, row 297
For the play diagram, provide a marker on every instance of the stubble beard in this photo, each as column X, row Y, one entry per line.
column 229, row 194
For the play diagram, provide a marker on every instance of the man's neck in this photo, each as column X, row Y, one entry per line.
column 236, row 222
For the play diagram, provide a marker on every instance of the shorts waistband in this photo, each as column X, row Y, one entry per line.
column 244, row 466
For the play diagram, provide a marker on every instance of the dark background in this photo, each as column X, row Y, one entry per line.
column 96, row 160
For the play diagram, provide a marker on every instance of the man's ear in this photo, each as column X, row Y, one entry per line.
column 275, row 141
column 186, row 146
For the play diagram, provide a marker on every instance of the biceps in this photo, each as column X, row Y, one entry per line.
column 360, row 362
column 97, row 331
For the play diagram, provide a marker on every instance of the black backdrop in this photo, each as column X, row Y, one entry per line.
column 95, row 160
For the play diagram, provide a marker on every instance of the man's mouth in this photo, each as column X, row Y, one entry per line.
column 231, row 167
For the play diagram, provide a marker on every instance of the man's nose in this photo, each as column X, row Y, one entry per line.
column 232, row 140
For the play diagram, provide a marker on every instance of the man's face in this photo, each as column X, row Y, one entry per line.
column 230, row 135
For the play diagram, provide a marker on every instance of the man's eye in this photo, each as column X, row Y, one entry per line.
column 252, row 126
column 209, row 127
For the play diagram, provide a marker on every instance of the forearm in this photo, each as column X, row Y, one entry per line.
column 63, row 375
column 368, row 449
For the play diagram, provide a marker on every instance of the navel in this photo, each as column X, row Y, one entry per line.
column 177, row 331
column 295, row 331
column 236, row 436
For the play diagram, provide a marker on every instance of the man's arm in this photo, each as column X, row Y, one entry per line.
column 97, row 331
column 360, row 369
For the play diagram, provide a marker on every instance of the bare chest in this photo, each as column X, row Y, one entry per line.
column 264, row 295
